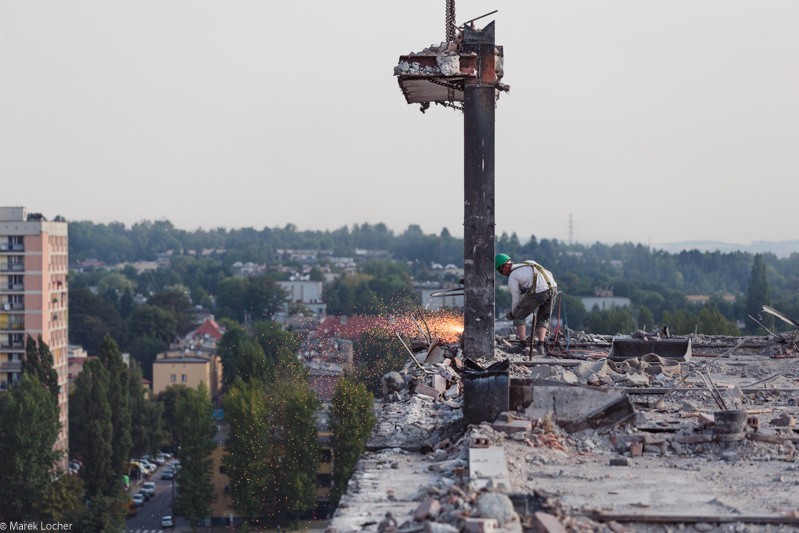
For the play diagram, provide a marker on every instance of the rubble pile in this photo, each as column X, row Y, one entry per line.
column 587, row 443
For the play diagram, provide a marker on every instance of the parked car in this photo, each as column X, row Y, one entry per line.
column 168, row 474
column 137, row 500
column 159, row 459
column 148, row 487
column 166, row 521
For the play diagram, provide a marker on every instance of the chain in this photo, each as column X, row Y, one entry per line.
column 452, row 105
column 450, row 21
column 453, row 86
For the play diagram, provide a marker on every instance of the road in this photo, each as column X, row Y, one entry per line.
column 148, row 519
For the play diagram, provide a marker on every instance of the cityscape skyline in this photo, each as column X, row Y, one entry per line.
column 650, row 123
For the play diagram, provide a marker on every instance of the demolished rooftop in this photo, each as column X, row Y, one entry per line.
column 625, row 433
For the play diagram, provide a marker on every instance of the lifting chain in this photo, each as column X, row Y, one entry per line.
column 450, row 21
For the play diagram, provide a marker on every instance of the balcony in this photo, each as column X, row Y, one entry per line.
column 13, row 326
column 11, row 366
column 5, row 345
column 12, row 306
column 12, row 267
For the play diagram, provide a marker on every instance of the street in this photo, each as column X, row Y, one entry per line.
column 148, row 519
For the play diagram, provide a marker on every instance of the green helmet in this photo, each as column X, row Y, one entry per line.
column 500, row 260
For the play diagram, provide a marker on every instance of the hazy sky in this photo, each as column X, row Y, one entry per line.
column 647, row 121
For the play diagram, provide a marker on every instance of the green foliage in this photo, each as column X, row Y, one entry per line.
column 119, row 402
column 758, row 294
column 277, row 343
column 195, row 432
column 352, row 421
column 62, row 500
column 168, row 400
column 376, row 353
column 28, row 430
column 91, row 429
column 175, row 300
column 153, row 322
column 247, row 415
column 272, row 445
column 383, row 285
column 104, row 512
column 242, row 357
column 293, row 456
column 610, row 321
column 38, row 363
column 708, row 320
column 249, row 299
column 91, row 318
column 146, row 416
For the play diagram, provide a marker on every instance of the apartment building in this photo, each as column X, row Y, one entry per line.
column 33, row 296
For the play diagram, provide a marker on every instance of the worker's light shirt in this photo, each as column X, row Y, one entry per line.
column 521, row 277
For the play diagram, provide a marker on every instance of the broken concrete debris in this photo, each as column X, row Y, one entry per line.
column 587, row 443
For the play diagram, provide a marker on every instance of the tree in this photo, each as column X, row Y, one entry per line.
column 91, row 429
column 91, row 317
column 168, row 400
column 119, row 403
column 758, row 294
column 195, row 432
column 277, row 343
column 610, row 321
column 62, row 500
column 247, row 414
column 104, row 512
column 377, row 352
column 152, row 322
column 28, row 431
column 352, row 421
column 146, row 416
column 712, row 322
column 241, row 357
column 293, row 451
column 39, row 363
column 176, row 301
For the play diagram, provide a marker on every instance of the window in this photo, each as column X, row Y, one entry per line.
column 183, row 378
column 172, row 378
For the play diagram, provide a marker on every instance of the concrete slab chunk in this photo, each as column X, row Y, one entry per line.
column 488, row 465
column 575, row 408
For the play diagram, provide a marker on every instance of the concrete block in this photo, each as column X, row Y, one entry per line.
column 428, row 509
column 480, row 525
column 547, row 523
column 425, row 390
column 636, row 449
column 440, row 383
column 575, row 407
column 512, row 426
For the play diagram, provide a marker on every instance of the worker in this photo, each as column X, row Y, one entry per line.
column 531, row 287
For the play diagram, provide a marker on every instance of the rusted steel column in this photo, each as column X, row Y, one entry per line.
column 478, row 171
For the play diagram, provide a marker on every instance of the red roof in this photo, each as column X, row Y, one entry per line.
column 210, row 328
column 352, row 327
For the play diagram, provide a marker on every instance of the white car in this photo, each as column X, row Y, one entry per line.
column 166, row 521
column 137, row 500
column 148, row 487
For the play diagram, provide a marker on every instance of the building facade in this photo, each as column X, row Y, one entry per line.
column 187, row 368
column 34, row 266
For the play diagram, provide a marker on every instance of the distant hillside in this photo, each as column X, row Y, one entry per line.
column 781, row 249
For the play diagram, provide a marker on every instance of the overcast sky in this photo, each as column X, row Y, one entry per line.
column 647, row 121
